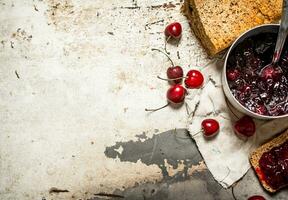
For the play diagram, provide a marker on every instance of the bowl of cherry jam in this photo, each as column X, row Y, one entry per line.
column 260, row 95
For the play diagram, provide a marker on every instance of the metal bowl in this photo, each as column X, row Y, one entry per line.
column 268, row 28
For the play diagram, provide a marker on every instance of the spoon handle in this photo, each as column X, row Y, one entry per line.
column 283, row 31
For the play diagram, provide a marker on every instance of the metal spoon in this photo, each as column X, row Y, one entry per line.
column 282, row 34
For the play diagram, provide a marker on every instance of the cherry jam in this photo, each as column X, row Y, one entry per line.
column 274, row 165
column 265, row 93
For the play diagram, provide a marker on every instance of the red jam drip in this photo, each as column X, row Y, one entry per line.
column 274, row 165
column 264, row 92
column 260, row 174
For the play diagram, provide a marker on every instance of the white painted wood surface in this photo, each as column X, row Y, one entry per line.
column 86, row 73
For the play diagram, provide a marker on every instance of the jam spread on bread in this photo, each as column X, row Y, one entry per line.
column 274, row 166
column 264, row 93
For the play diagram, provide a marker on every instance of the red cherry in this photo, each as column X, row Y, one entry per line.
column 210, row 127
column 194, row 79
column 173, row 30
column 233, row 74
column 261, row 110
column 271, row 72
column 176, row 94
column 245, row 126
column 246, row 89
column 256, row 197
column 277, row 73
column 175, row 73
column 267, row 73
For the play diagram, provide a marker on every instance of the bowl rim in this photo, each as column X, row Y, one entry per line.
column 225, row 75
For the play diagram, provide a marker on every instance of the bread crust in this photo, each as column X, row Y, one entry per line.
column 256, row 155
column 217, row 23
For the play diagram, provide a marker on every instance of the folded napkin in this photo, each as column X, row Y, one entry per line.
column 226, row 155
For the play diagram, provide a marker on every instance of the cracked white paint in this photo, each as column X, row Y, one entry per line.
column 85, row 77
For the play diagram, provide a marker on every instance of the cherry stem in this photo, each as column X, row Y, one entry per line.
column 196, row 134
column 165, row 55
column 166, row 41
column 170, row 79
column 175, row 135
column 153, row 110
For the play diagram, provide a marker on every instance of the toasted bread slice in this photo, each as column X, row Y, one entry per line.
column 217, row 23
column 256, row 155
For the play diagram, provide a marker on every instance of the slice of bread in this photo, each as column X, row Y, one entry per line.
column 217, row 23
column 256, row 155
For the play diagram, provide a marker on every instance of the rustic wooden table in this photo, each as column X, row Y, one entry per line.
column 75, row 79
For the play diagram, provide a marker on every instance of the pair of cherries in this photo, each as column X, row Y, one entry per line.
column 244, row 127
